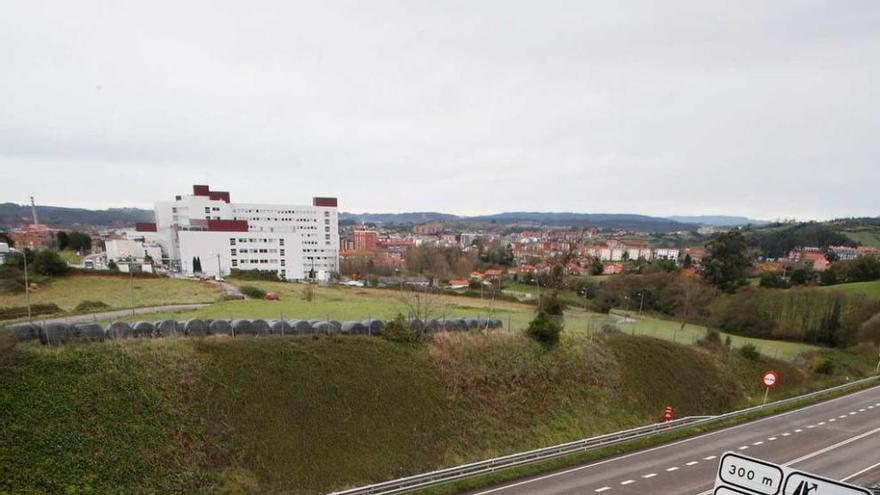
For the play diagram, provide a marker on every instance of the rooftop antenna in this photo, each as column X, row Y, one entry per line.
column 34, row 211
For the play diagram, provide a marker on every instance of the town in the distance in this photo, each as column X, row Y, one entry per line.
column 205, row 233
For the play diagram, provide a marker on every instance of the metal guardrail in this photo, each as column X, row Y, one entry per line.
column 419, row 481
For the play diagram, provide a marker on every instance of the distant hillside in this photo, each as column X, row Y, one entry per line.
column 12, row 215
column 776, row 240
column 718, row 220
column 612, row 221
column 398, row 218
column 601, row 220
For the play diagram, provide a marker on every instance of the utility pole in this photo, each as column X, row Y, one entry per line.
column 131, row 286
column 219, row 272
column 642, row 303
column 27, row 285
column 878, row 365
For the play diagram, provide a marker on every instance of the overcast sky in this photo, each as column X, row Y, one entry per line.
column 762, row 108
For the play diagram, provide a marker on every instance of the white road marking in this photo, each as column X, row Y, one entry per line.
column 842, row 416
column 770, row 439
column 692, row 463
column 709, row 458
column 673, row 468
column 820, row 423
column 759, row 442
column 604, row 488
column 862, row 410
column 832, row 447
column 744, row 447
column 627, row 482
column 853, row 413
column 786, row 434
column 863, row 471
column 810, row 426
column 649, row 475
column 673, row 444
column 830, row 421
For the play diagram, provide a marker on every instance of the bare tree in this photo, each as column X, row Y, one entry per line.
column 421, row 304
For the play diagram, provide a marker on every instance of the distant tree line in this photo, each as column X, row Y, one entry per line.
column 76, row 241
column 776, row 243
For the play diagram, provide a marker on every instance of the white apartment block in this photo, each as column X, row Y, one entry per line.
column 296, row 241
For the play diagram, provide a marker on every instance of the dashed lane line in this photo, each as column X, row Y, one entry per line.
column 709, row 458
column 692, row 463
column 673, row 468
column 603, row 489
column 744, row 447
column 759, row 442
column 627, row 482
column 649, row 475
column 770, row 439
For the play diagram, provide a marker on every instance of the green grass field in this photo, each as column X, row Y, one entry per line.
column 871, row 289
column 69, row 291
column 349, row 303
column 70, row 257
column 865, row 237
column 671, row 330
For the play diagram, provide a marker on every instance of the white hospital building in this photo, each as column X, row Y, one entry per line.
column 296, row 241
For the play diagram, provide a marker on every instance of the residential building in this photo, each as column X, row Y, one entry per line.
column 365, row 240
column 844, row 253
column 296, row 241
column 33, row 236
column 666, row 254
column 130, row 249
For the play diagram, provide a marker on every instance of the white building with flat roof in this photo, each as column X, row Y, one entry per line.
column 296, row 241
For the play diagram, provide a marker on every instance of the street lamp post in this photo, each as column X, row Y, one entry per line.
column 131, row 285
column 27, row 285
column 642, row 302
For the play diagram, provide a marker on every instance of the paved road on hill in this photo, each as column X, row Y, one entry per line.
column 839, row 439
column 119, row 313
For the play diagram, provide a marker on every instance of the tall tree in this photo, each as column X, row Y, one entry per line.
column 727, row 262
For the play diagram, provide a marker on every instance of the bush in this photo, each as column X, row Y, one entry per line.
column 544, row 329
column 308, row 293
column 14, row 312
column 824, row 366
column 551, row 305
column 253, row 292
column 47, row 262
column 91, row 306
column 610, row 328
column 11, row 279
column 870, row 330
column 397, row 330
column 750, row 352
column 712, row 338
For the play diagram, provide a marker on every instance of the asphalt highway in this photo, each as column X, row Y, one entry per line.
column 839, row 439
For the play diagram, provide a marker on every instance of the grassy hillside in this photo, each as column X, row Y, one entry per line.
column 69, row 291
column 870, row 289
column 308, row 415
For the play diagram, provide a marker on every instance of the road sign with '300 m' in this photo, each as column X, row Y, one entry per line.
column 741, row 475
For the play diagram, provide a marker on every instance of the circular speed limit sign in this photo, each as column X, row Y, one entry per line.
column 770, row 379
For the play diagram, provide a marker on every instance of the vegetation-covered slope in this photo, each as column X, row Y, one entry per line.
column 308, row 415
